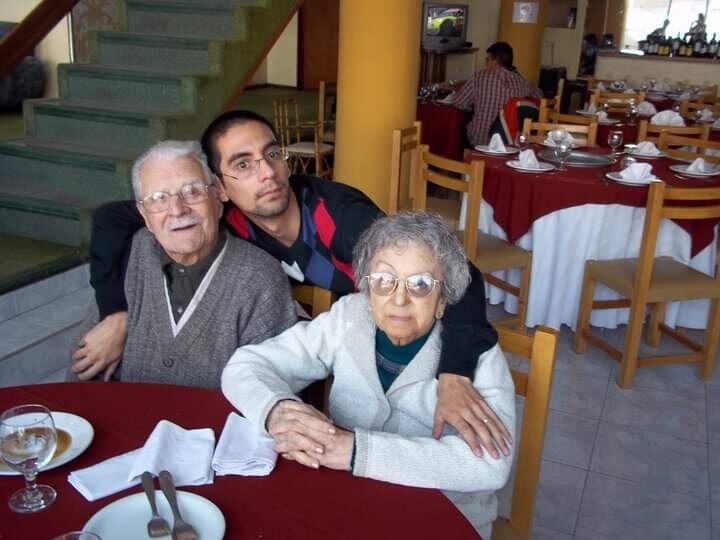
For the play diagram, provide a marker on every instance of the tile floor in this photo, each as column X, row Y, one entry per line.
column 641, row 463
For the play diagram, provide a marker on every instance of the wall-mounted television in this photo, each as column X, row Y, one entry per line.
column 444, row 26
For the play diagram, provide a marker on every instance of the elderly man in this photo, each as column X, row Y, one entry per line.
column 488, row 90
column 194, row 293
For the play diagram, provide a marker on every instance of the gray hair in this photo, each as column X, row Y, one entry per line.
column 169, row 150
column 419, row 228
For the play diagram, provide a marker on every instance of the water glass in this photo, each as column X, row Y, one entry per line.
column 615, row 140
column 27, row 443
column 562, row 152
column 522, row 141
column 557, row 136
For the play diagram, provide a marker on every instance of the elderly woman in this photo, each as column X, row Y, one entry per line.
column 382, row 346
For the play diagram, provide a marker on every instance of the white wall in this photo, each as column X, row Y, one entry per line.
column 282, row 58
column 53, row 50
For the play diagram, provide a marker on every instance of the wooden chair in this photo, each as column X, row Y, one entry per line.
column 709, row 94
column 669, row 144
column 575, row 119
column 649, row 281
column 651, row 132
column 616, row 101
column 327, row 127
column 552, row 104
column 689, row 108
column 293, row 132
column 405, row 145
column 488, row 253
column 588, row 132
column 535, row 386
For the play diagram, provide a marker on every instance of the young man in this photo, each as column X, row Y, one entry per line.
column 487, row 91
column 310, row 225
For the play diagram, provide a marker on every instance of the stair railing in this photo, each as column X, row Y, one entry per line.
column 22, row 39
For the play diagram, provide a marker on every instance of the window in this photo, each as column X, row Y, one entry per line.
column 644, row 16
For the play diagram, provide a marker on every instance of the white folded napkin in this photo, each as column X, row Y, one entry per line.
column 699, row 166
column 618, row 85
column 667, row 118
column 528, row 159
column 185, row 453
column 637, row 172
column 645, row 107
column 496, row 143
column 629, row 91
column 716, row 124
column 648, row 148
column 600, row 86
column 243, row 450
column 591, row 108
column 567, row 137
column 684, row 96
column 706, row 115
column 602, row 116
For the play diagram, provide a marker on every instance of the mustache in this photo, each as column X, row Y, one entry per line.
column 181, row 222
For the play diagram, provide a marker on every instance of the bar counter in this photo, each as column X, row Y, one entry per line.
column 698, row 71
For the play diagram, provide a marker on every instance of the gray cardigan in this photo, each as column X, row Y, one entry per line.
column 393, row 430
column 247, row 301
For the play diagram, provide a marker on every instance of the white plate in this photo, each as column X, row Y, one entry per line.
column 682, row 169
column 509, row 150
column 544, row 167
column 609, row 121
column 615, row 177
column 81, row 435
column 585, row 113
column 552, row 145
column 127, row 517
column 647, row 156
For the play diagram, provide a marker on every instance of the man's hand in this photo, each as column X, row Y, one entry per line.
column 101, row 348
column 460, row 405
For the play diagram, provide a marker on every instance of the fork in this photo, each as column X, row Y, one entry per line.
column 157, row 526
column 181, row 530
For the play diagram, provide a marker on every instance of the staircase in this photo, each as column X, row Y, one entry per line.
column 172, row 68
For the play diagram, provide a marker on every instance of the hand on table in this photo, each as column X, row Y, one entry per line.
column 101, row 348
column 460, row 405
column 304, row 434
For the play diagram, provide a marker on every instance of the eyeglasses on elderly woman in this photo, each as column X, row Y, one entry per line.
column 417, row 285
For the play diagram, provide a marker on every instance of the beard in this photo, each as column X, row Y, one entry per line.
column 275, row 207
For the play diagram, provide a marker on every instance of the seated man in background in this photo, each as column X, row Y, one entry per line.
column 487, row 91
column 194, row 293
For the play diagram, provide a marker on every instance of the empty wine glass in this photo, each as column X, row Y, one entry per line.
column 557, row 136
column 632, row 113
column 562, row 152
column 615, row 140
column 522, row 141
column 27, row 443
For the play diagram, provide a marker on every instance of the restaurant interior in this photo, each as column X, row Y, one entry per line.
column 590, row 208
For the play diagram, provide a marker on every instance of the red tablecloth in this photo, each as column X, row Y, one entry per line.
column 518, row 198
column 293, row 502
column 443, row 128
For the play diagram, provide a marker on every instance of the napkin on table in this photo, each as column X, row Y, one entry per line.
column 637, row 172
column 591, row 108
column 602, row 116
column 699, row 166
column 243, row 450
column 528, row 159
column 496, row 143
column 706, row 115
column 716, row 124
column 667, row 118
column 648, row 148
column 185, row 453
column 568, row 138
column 600, row 86
column 629, row 91
column 645, row 107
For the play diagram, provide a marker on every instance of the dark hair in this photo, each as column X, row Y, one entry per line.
column 219, row 127
column 502, row 52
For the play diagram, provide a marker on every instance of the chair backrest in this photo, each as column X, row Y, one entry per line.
column 535, row 386
column 651, row 132
column 405, row 149
column 287, row 120
column 509, row 120
column 689, row 108
column 315, row 298
column 457, row 176
column 670, row 145
column 537, row 131
column 577, row 119
column 552, row 104
column 709, row 93
column 325, row 89
column 616, row 101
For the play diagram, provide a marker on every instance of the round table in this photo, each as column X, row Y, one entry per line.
column 292, row 502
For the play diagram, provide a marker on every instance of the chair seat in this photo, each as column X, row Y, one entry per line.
column 671, row 280
column 495, row 254
column 308, row 148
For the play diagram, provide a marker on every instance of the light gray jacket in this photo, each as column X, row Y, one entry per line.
column 393, row 430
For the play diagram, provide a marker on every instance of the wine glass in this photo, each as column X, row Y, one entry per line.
column 615, row 140
column 522, row 141
column 632, row 113
column 562, row 152
column 557, row 136
column 27, row 443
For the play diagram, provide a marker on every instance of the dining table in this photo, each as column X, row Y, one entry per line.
column 568, row 217
column 293, row 502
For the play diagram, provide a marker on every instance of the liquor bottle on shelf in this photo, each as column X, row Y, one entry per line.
column 667, row 46
column 682, row 48
column 712, row 48
column 689, row 46
column 675, row 47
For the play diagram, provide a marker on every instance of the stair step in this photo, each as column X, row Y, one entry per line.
column 172, row 54
column 78, row 173
column 194, row 19
column 26, row 260
column 64, row 120
column 45, row 219
column 146, row 89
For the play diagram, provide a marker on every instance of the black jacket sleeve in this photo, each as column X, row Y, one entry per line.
column 466, row 332
column 113, row 227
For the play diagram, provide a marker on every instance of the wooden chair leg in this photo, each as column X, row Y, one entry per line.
column 628, row 364
column 710, row 345
column 524, row 292
column 584, row 310
column 657, row 316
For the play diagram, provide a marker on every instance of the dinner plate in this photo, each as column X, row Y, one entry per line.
column 609, row 121
column 647, row 156
column 682, row 169
column 128, row 517
column 74, row 436
column 543, row 167
column 583, row 112
column 615, row 177
column 578, row 158
column 485, row 149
